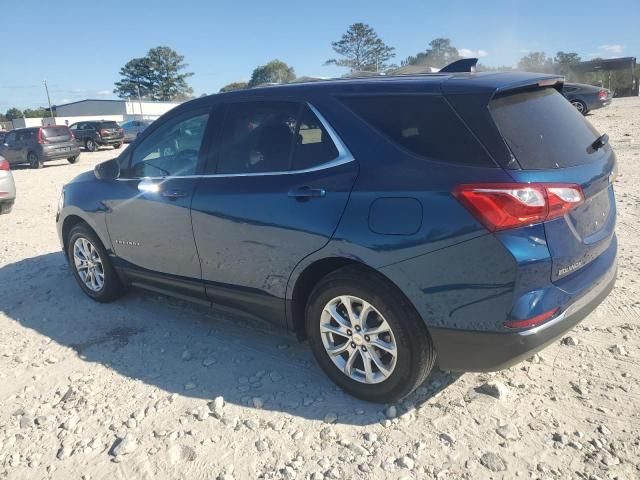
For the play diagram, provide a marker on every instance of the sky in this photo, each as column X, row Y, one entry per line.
column 79, row 47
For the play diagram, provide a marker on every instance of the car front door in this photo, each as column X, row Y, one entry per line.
column 148, row 218
column 279, row 180
column 9, row 149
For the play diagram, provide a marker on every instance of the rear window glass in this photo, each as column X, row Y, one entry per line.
column 50, row 132
column 109, row 125
column 423, row 124
column 543, row 130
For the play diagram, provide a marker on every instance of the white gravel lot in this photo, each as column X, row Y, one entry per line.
column 151, row 387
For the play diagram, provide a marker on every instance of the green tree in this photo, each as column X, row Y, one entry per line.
column 536, row 62
column 13, row 113
column 439, row 54
column 234, row 86
column 159, row 75
column 275, row 71
column 567, row 58
column 362, row 50
column 37, row 113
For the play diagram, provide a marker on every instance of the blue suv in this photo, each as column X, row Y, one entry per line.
column 394, row 222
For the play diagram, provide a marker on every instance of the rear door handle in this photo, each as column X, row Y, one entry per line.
column 173, row 194
column 305, row 193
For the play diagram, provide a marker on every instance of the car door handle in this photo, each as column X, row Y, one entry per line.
column 305, row 193
column 173, row 194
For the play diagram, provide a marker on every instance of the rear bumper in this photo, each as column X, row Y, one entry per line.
column 47, row 155
column 110, row 141
column 475, row 351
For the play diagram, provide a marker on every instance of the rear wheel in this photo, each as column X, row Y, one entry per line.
column 34, row 160
column 580, row 106
column 90, row 145
column 367, row 337
column 73, row 159
column 117, row 145
column 92, row 266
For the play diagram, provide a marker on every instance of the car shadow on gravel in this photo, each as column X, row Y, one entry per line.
column 183, row 348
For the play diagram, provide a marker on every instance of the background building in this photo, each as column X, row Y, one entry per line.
column 95, row 109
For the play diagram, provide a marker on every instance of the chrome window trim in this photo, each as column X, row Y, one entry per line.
column 344, row 156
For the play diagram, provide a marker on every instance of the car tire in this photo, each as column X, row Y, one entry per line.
column 34, row 160
column 117, row 146
column 390, row 314
column 73, row 159
column 90, row 145
column 580, row 106
column 95, row 274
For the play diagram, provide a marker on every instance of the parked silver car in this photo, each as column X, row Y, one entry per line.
column 133, row 128
column 7, row 187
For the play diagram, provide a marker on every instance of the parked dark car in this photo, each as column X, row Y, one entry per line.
column 95, row 134
column 391, row 221
column 586, row 97
column 133, row 128
column 37, row 145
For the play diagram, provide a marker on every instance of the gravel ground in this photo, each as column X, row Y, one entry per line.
column 151, row 387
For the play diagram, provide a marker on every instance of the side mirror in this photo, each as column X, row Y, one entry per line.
column 109, row 170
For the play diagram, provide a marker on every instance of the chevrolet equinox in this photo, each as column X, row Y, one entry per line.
column 463, row 218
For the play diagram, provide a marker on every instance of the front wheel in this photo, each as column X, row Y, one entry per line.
column 73, row 159
column 34, row 160
column 117, row 145
column 367, row 337
column 91, row 145
column 580, row 106
column 91, row 265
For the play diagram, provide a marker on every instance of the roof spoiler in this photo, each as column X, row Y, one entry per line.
column 463, row 65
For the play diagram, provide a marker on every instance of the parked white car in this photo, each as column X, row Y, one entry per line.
column 7, row 187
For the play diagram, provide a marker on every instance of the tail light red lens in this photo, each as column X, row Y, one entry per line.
column 531, row 322
column 602, row 94
column 4, row 164
column 40, row 137
column 501, row 206
column 104, row 132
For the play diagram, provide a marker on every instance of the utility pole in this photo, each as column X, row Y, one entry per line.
column 139, row 100
column 49, row 100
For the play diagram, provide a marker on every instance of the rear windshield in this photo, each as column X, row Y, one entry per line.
column 50, row 132
column 423, row 124
column 543, row 130
column 109, row 125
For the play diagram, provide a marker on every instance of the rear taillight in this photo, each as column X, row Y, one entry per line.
column 500, row 206
column 104, row 132
column 533, row 321
column 4, row 164
column 602, row 94
column 40, row 137
column 121, row 131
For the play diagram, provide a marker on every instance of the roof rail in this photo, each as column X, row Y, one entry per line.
column 463, row 65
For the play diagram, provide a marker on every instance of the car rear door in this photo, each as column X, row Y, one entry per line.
column 10, row 148
column 277, row 184
column 553, row 143
column 148, row 217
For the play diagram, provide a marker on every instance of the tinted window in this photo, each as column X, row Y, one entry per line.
column 173, row 149
column 257, row 137
column 423, row 124
column 108, row 125
column 52, row 132
column 313, row 144
column 10, row 139
column 543, row 130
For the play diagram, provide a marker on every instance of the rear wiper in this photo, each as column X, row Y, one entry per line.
column 600, row 142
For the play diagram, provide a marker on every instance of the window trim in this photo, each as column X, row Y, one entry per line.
column 344, row 156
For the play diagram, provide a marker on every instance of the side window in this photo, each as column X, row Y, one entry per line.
column 173, row 149
column 257, row 137
column 425, row 125
column 73, row 127
column 10, row 139
column 313, row 144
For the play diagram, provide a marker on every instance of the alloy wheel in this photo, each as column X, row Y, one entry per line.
column 88, row 264
column 358, row 339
